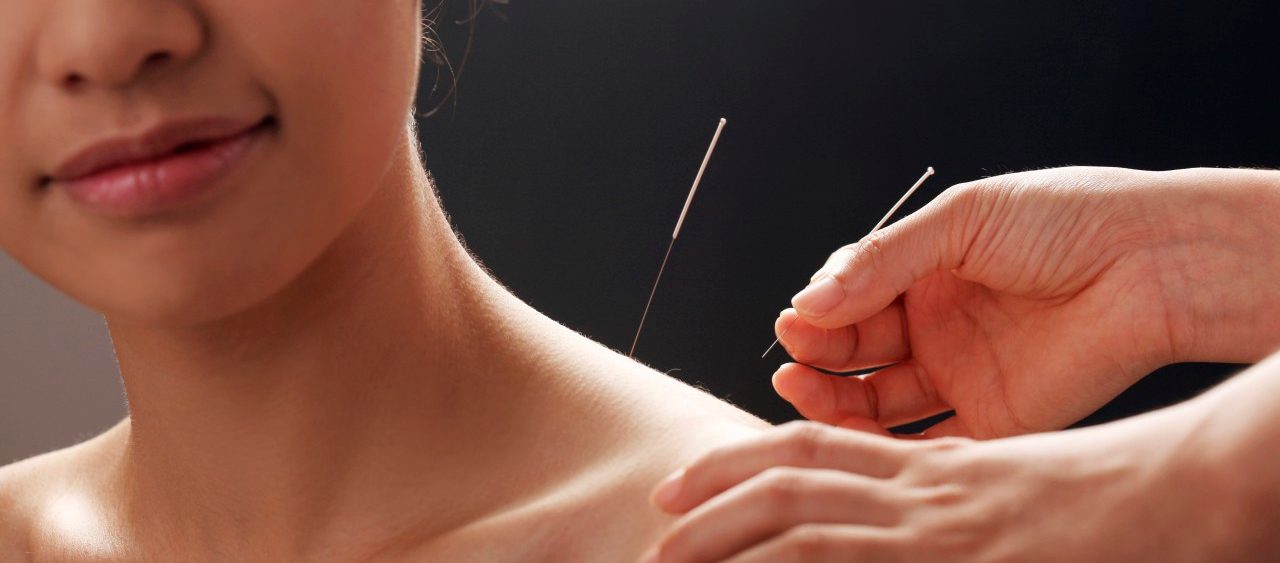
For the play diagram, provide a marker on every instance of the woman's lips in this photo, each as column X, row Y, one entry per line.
column 165, row 182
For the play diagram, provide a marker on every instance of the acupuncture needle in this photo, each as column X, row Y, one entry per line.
column 676, row 233
column 894, row 209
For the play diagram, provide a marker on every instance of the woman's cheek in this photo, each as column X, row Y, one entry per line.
column 344, row 74
column 340, row 77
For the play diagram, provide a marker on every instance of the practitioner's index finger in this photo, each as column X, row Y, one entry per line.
column 825, row 294
column 865, row 277
column 860, row 279
column 877, row 341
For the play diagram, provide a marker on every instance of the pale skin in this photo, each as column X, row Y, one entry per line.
column 315, row 367
column 317, row 370
column 1023, row 303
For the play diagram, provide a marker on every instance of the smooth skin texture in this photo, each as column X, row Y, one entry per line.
column 1194, row 482
column 315, row 367
column 1023, row 302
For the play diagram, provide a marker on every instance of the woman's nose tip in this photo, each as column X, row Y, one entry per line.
column 112, row 46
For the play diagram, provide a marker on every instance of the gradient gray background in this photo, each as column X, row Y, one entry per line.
column 58, row 379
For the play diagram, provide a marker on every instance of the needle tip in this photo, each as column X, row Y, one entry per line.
column 723, row 121
column 929, row 172
column 770, row 348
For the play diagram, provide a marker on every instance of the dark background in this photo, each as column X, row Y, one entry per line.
column 578, row 127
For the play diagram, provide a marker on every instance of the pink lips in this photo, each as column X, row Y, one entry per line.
column 158, row 171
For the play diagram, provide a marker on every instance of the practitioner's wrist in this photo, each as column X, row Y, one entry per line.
column 1217, row 249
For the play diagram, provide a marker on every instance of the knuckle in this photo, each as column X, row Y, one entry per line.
column 803, row 442
column 968, row 202
column 837, row 262
column 960, row 196
column 995, row 185
column 965, row 204
column 934, row 452
column 970, row 190
column 781, row 487
column 928, row 464
column 843, row 254
column 942, row 496
column 866, row 253
column 871, row 251
column 790, row 427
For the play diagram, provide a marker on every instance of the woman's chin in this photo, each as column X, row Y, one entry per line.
column 181, row 302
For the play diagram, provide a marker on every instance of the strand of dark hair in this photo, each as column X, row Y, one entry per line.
column 433, row 48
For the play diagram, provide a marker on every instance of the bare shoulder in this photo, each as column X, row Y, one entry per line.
column 612, row 514
column 28, row 489
column 25, row 487
column 628, row 428
column 14, row 520
column 22, row 487
column 657, row 424
column 601, row 511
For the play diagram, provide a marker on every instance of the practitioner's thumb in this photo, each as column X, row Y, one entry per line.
column 862, row 278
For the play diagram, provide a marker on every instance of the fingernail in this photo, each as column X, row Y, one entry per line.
column 669, row 489
column 819, row 298
column 650, row 556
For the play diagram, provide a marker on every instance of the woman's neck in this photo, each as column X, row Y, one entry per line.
column 392, row 375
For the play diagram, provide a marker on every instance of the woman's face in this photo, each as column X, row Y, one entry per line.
column 175, row 161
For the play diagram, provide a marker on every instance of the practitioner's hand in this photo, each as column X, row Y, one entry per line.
column 1024, row 302
column 806, row 492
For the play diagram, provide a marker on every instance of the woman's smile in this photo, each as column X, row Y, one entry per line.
column 171, row 166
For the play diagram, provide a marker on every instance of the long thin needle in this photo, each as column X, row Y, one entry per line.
column 676, row 233
column 901, row 200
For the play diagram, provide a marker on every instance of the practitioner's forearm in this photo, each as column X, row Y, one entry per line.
column 1236, row 444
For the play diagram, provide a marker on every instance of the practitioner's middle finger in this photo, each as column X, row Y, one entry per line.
column 876, row 341
column 795, row 444
column 771, row 503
